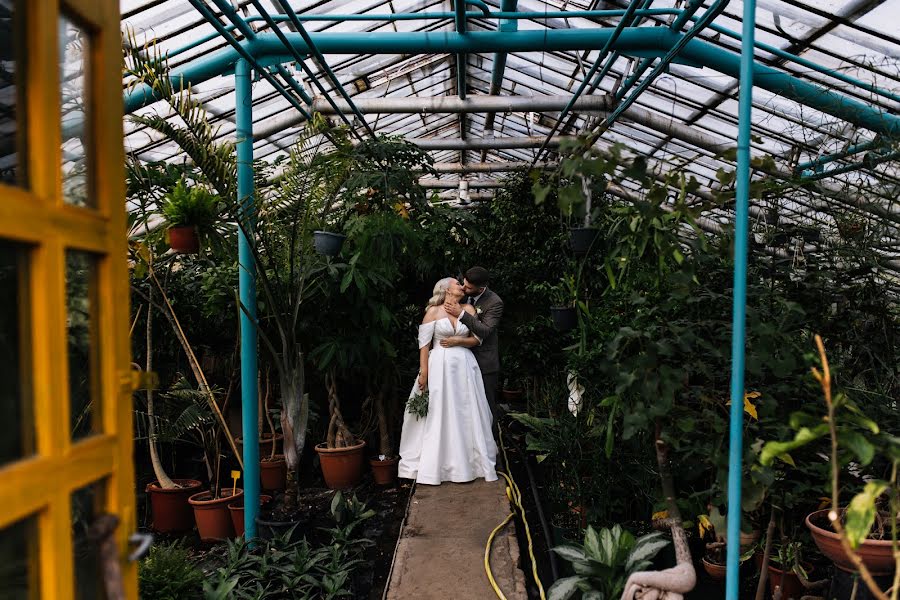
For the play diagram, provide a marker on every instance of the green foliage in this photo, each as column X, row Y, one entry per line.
column 604, row 562
column 169, row 574
column 418, row 405
column 190, row 205
column 294, row 570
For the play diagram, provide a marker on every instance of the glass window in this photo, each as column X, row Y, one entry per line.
column 16, row 419
column 87, row 505
column 13, row 157
column 19, row 561
column 81, row 325
column 74, row 100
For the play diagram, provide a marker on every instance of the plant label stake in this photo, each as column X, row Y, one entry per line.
column 235, row 475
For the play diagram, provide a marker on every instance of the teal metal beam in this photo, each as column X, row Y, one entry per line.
column 459, row 19
column 739, row 303
column 247, row 291
column 817, row 163
column 657, row 40
column 869, row 161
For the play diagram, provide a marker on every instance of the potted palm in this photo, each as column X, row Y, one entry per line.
column 191, row 211
column 564, row 311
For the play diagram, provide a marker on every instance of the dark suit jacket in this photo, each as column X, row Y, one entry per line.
column 485, row 324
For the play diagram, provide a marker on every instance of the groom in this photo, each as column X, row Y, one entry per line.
column 484, row 324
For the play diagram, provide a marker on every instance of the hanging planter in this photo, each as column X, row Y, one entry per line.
column 328, row 243
column 212, row 515
column 581, row 239
column 184, row 240
column 169, row 507
column 384, row 471
column 342, row 467
column 565, row 318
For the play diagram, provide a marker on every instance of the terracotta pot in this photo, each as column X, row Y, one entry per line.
column 512, row 396
column 170, row 508
column 236, row 508
column 875, row 554
column 212, row 515
column 184, row 239
column 791, row 586
column 265, row 445
column 342, row 467
column 273, row 474
column 384, row 471
column 715, row 571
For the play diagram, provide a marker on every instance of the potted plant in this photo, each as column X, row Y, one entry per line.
column 341, row 454
column 855, row 537
column 786, row 568
column 582, row 239
column 236, row 510
column 191, row 211
column 564, row 311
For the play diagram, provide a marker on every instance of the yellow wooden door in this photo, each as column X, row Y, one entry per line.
column 65, row 384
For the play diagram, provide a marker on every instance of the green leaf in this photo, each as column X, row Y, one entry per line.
column 678, row 256
column 645, row 548
column 564, row 588
column 592, row 544
column 607, row 547
column 805, row 435
column 861, row 512
column 858, row 445
column 570, row 552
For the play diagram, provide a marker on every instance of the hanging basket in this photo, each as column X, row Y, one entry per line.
column 564, row 318
column 581, row 239
column 184, row 240
column 327, row 243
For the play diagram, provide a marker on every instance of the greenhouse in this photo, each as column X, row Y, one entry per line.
column 463, row 299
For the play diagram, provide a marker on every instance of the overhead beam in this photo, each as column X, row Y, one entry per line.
column 450, row 104
column 495, row 143
column 489, row 167
column 453, row 184
column 634, row 41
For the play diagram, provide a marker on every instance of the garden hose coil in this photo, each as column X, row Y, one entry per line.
column 515, row 497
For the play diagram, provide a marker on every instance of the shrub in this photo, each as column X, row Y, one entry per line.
column 168, row 574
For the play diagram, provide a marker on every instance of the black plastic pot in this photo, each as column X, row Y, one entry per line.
column 564, row 317
column 269, row 530
column 328, row 243
column 581, row 239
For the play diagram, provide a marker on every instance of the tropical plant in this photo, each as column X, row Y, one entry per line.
column 604, row 562
column 190, row 205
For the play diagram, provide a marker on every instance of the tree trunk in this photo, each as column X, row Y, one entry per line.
column 159, row 471
column 384, row 437
column 767, row 553
column 269, row 420
column 338, row 435
column 294, row 422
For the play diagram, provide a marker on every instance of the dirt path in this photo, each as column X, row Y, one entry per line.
column 441, row 550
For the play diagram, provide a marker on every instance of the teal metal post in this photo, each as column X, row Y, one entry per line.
column 247, row 282
column 739, row 311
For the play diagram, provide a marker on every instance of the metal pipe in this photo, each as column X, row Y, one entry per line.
column 634, row 41
column 496, row 143
column 247, row 286
column 453, row 184
column 472, row 104
column 323, row 64
column 499, row 65
column 869, row 161
column 827, row 158
column 489, row 167
column 607, row 48
column 739, row 306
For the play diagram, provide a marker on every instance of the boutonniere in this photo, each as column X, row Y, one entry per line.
column 477, row 310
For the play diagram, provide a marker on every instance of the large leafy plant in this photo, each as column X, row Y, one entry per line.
column 603, row 563
column 190, row 206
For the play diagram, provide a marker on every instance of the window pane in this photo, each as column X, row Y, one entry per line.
column 12, row 93
column 16, row 418
column 18, row 561
column 81, row 305
column 87, row 505
column 73, row 48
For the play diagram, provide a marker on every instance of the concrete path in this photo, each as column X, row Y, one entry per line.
column 441, row 550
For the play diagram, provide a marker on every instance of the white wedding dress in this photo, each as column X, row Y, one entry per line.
column 454, row 441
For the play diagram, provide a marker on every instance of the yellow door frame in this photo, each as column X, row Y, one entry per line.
column 36, row 217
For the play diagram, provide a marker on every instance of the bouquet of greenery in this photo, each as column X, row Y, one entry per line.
column 418, row 404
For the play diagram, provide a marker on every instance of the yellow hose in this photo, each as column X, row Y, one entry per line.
column 515, row 496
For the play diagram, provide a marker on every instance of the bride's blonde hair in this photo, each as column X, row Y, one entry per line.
column 439, row 293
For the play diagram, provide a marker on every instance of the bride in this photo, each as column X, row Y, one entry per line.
column 454, row 441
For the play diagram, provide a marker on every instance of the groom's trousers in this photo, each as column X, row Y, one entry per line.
column 491, row 382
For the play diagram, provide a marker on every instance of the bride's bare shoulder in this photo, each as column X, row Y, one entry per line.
column 432, row 314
